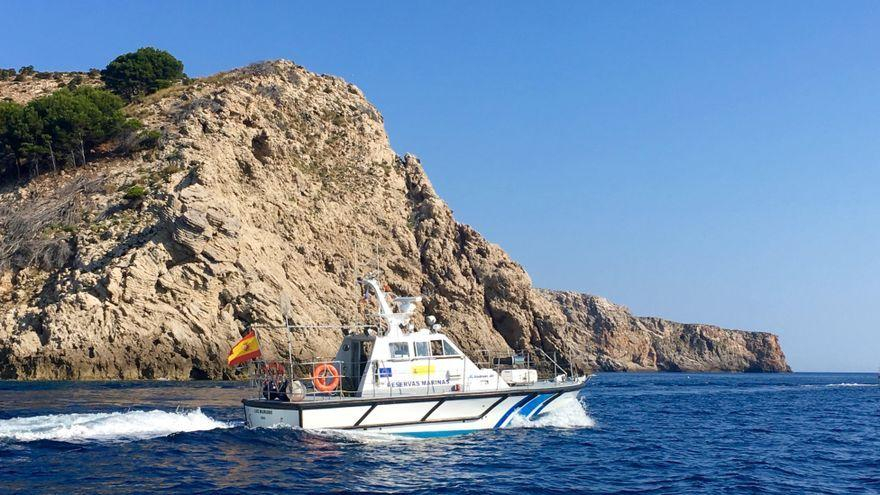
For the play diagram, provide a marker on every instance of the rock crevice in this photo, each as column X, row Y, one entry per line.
column 275, row 183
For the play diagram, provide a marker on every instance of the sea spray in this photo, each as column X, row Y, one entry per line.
column 364, row 436
column 567, row 412
column 106, row 427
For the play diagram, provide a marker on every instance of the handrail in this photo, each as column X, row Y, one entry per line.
column 262, row 325
column 533, row 358
column 546, row 356
column 351, row 383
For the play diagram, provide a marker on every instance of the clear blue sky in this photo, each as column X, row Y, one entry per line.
column 700, row 161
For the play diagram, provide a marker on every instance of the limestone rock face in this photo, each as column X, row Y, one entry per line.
column 616, row 340
column 274, row 183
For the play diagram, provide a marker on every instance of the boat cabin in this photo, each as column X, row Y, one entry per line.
column 416, row 363
column 404, row 360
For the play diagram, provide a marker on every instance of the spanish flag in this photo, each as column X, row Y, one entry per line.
column 246, row 348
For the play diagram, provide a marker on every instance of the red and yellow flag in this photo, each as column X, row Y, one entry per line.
column 247, row 348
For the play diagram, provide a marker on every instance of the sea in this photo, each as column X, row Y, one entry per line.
column 797, row 433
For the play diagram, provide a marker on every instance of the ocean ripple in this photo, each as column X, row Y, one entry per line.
column 629, row 433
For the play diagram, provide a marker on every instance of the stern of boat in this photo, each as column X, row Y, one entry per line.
column 264, row 416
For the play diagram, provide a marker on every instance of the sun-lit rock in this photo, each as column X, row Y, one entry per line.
column 277, row 182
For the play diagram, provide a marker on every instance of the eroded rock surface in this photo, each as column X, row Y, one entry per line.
column 274, row 183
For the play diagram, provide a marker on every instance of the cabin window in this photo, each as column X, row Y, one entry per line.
column 436, row 348
column 448, row 350
column 441, row 348
column 422, row 349
column 398, row 350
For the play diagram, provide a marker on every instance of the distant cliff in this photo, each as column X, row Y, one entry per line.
column 273, row 182
column 615, row 340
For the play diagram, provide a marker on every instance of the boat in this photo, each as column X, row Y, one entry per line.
column 394, row 378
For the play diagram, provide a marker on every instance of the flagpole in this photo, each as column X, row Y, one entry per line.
column 289, row 348
column 254, row 361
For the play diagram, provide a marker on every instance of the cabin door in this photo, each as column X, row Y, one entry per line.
column 360, row 357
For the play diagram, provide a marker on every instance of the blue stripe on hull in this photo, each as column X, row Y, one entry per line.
column 527, row 410
column 525, row 407
column 510, row 411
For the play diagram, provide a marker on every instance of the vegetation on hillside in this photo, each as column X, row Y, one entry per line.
column 75, row 122
column 29, row 72
column 58, row 130
column 142, row 72
column 135, row 192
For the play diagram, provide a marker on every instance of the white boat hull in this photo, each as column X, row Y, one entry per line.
column 421, row 416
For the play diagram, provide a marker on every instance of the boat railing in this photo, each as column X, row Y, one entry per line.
column 302, row 380
column 279, row 379
column 547, row 365
column 276, row 379
column 554, row 360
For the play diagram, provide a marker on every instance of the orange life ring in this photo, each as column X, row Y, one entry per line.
column 320, row 375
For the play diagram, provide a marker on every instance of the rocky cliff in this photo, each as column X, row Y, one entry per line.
column 271, row 184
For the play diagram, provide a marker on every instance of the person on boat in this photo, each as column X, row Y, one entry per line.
column 281, row 394
column 270, row 389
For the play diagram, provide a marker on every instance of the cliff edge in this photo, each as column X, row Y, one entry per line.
column 271, row 183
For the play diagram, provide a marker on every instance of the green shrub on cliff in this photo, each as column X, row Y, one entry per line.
column 56, row 130
column 14, row 133
column 74, row 82
column 135, row 192
column 142, row 72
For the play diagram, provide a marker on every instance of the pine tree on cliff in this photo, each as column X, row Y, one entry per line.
column 58, row 128
column 142, row 72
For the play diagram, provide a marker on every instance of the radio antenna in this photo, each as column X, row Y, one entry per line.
column 377, row 257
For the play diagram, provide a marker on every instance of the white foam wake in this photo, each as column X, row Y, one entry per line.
column 364, row 436
column 567, row 412
column 851, row 385
column 108, row 427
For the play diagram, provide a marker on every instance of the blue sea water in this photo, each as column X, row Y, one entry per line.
column 645, row 433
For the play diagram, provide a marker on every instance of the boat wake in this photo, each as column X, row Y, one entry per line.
column 363, row 437
column 106, row 427
column 839, row 385
column 851, row 385
column 568, row 413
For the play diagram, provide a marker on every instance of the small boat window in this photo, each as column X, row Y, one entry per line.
column 441, row 347
column 448, row 350
column 436, row 348
column 398, row 350
column 422, row 349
